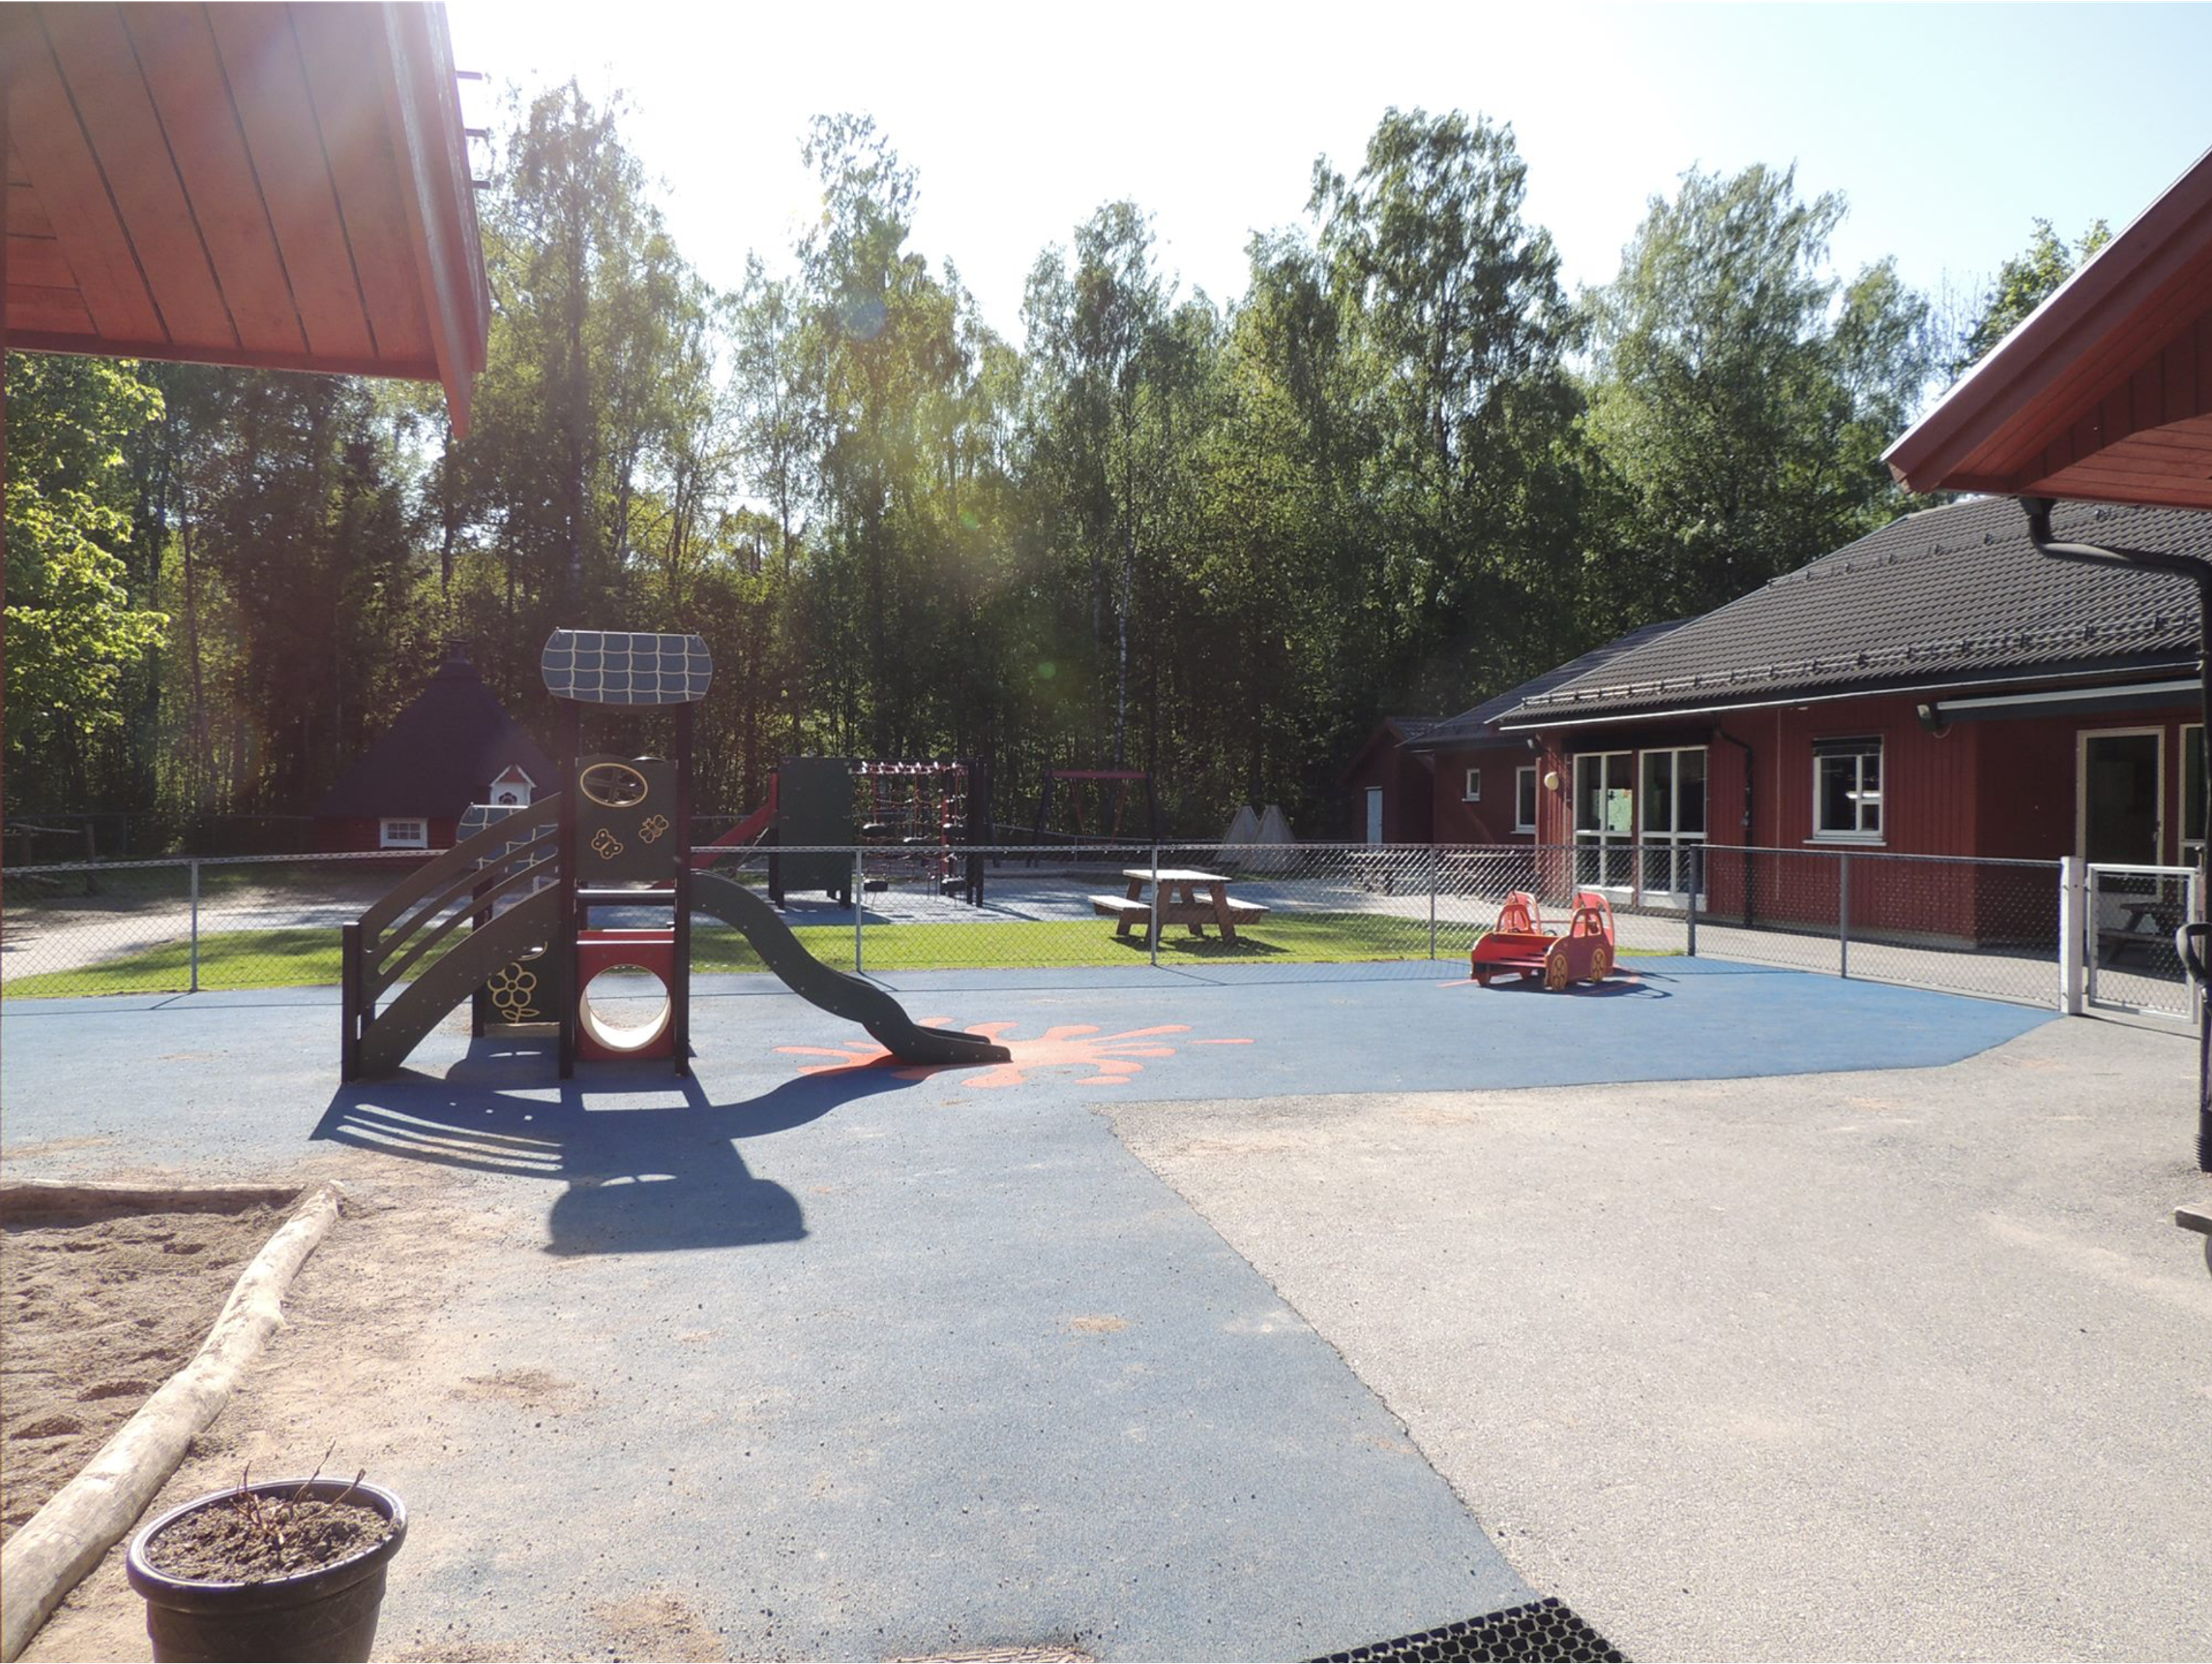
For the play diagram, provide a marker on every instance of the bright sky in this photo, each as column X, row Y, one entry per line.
column 1948, row 128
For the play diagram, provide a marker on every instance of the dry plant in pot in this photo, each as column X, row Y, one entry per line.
column 285, row 1569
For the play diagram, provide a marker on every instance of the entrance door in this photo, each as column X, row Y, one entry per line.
column 2119, row 821
column 1375, row 814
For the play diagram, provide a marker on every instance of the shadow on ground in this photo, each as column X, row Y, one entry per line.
column 658, row 1170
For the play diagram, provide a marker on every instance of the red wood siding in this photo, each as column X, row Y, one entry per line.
column 1404, row 779
column 1491, row 820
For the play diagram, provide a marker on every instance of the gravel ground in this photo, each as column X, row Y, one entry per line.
column 1910, row 1365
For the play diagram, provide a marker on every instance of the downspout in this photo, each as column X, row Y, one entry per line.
column 2190, row 939
column 1750, row 774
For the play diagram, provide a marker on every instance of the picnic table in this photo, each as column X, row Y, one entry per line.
column 2150, row 924
column 1188, row 897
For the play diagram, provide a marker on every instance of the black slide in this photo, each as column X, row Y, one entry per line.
column 847, row 997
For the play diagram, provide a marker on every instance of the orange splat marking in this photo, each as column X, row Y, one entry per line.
column 1113, row 1057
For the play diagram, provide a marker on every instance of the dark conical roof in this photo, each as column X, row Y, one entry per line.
column 441, row 754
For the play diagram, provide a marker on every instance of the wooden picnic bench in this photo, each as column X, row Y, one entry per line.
column 1188, row 897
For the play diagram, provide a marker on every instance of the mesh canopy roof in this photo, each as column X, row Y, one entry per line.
column 626, row 667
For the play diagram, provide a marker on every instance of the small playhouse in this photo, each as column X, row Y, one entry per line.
column 453, row 744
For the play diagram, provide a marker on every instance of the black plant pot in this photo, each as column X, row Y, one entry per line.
column 327, row 1614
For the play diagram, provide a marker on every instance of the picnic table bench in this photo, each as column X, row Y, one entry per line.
column 2150, row 924
column 1188, row 897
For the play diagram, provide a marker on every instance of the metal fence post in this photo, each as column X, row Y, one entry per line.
column 1690, row 901
column 1844, row 913
column 1436, row 863
column 195, row 925
column 2071, row 897
column 1152, row 926
column 859, row 900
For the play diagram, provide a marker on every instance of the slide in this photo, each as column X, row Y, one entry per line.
column 744, row 833
column 847, row 997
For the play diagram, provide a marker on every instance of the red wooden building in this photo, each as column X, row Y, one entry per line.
column 454, row 745
column 1386, row 783
column 1937, row 688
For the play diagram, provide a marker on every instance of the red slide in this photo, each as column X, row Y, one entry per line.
column 745, row 831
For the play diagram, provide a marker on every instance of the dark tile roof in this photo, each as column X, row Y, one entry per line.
column 1955, row 594
column 441, row 754
column 1410, row 728
column 1475, row 726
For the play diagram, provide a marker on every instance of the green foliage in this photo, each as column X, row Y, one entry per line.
column 73, row 627
column 2022, row 283
column 1740, row 395
column 1401, row 471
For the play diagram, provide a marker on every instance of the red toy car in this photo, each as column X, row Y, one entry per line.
column 1520, row 945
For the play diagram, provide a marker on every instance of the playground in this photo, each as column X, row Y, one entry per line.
column 1279, row 1312
column 1195, row 1304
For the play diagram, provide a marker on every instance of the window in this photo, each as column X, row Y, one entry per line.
column 1474, row 785
column 1847, row 788
column 1524, row 800
column 403, row 834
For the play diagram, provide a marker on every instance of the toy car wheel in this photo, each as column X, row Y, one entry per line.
column 1481, row 978
column 1600, row 962
column 1556, row 974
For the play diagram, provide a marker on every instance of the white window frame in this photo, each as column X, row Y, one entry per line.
column 528, row 788
column 1527, row 772
column 1473, row 788
column 388, row 832
column 2081, row 783
column 2192, row 848
column 1672, row 837
column 1879, row 745
column 1600, row 838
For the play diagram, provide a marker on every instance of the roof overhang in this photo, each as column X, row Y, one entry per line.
column 2105, row 394
column 1523, row 722
column 281, row 186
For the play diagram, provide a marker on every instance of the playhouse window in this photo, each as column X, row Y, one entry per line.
column 1474, row 785
column 393, row 834
column 1524, row 800
column 1847, row 788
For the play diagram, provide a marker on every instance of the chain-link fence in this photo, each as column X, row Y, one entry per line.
column 1982, row 927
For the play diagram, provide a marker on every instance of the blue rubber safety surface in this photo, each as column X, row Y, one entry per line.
column 898, row 1361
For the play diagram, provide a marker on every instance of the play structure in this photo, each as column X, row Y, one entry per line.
column 513, row 919
column 911, row 821
column 1068, row 785
column 1521, row 946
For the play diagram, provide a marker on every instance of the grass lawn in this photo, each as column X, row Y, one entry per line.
column 308, row 958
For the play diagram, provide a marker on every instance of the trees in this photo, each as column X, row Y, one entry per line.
column 2022, row 283
column 1399, row 469
column 1741, row 394
column 73, row 627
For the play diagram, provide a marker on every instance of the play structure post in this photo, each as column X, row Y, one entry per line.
column 196, row 924
column 679, row 994
column 564, row 943
column 859, row 900
column 348, row 1001
column 1844, row 913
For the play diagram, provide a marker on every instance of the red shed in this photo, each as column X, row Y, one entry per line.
column 455, row 745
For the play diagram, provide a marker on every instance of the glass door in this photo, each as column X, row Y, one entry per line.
column 1674, row 829
column 1605, row 820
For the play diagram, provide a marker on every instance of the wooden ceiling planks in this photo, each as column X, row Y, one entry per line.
column 115, row 112
column 192, row 100
column 337, row 43
column 258, row 183
column 256, row 44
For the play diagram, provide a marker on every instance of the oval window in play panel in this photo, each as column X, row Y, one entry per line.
column 613, row 785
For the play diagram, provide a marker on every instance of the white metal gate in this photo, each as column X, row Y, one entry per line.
column 2129, row 916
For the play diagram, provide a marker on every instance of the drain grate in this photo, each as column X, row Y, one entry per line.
column 1544, row 1630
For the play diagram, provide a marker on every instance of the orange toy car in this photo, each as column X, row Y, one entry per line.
column 1520, row 945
